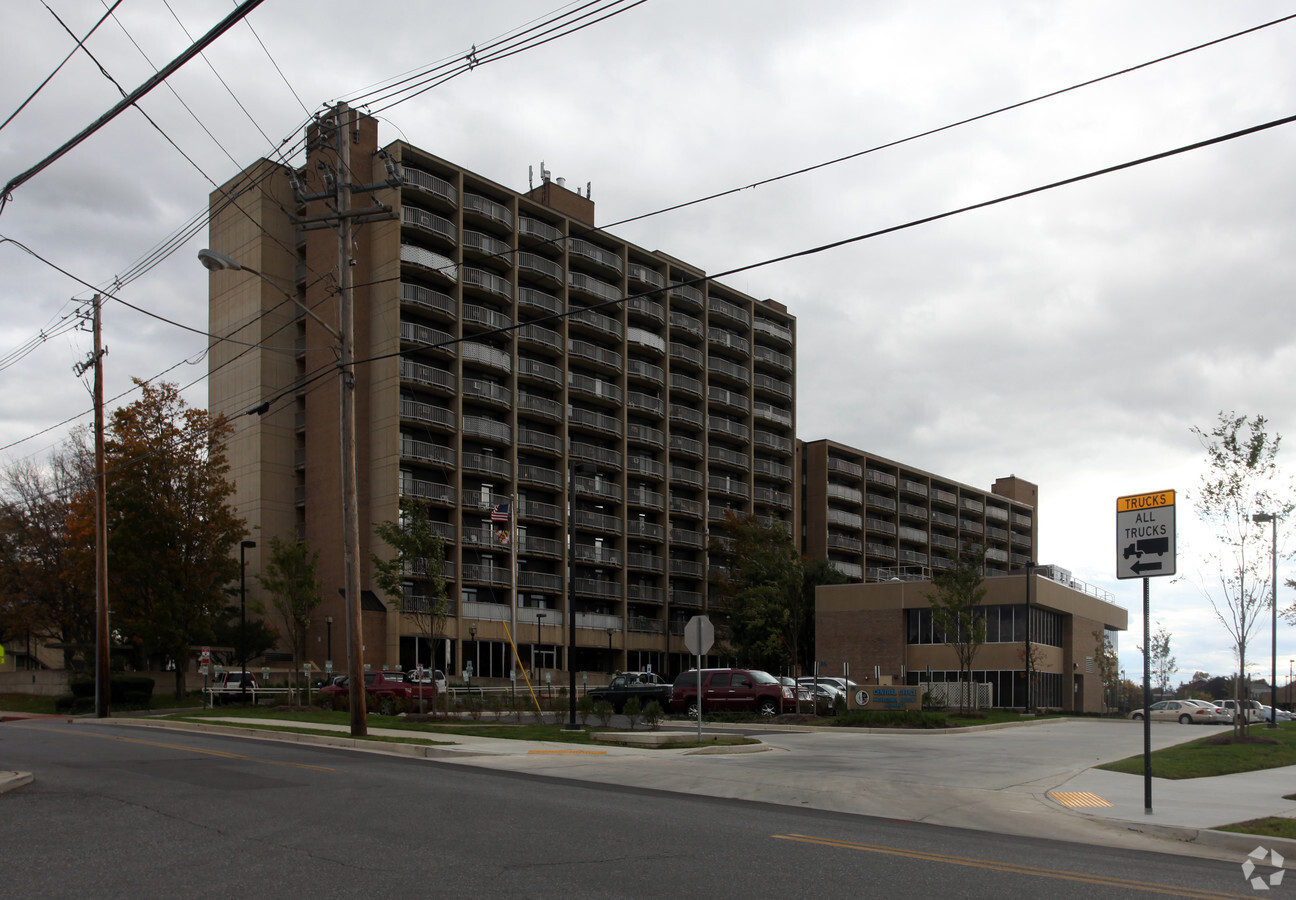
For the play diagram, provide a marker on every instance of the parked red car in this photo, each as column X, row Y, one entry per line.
column 732, row 690
column 385, row 691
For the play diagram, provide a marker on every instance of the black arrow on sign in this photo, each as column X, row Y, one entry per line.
column 1140, row 567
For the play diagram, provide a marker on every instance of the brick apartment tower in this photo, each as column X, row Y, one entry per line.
column 503, row 340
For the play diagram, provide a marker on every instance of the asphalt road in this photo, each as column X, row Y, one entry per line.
column 118, row 811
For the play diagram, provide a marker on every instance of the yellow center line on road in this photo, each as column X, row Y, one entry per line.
column 1015, row 868
column 217, row 753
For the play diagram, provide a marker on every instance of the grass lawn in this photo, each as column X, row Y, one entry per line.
column 1273, row 826
column 524, row 731
column 1214, row 755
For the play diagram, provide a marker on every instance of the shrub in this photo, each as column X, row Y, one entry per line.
column 839, row 705
column 128, row 691
column 584, row 707
column 652, row 714
column 632, row 710
column 603, row 711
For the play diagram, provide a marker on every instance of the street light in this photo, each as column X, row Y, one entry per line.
column 215, row 262
column 219, row 262
column 1030, row 697
column 243, row 547
column 574, row 468
column 1272, row 519
column 328, row 622
column 535, row 665
column 611, row 667
column 472, row 632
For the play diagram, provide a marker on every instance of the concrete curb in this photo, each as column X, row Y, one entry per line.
column 11, row 780
column 387, row 748
column 1233, row 841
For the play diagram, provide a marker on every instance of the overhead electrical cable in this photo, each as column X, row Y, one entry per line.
column 216, row 31
column 389, row 87
column 79, row 43
column 199, row 220
column 223, row 82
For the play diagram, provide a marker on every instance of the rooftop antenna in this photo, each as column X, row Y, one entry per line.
column 530, row 178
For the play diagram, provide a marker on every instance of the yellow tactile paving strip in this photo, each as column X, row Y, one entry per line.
column 1078, row 798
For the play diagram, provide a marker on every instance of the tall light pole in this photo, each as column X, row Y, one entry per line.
column 328, row 624
column 1272, row 519
column 611, row 667
column 214, row 261
column 535, row 664
column 573, row 469
column 1030, row 695
column 244, row 546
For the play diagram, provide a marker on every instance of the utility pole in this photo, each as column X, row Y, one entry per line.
column 103, row 669
column 350, row 495
column 343, row 220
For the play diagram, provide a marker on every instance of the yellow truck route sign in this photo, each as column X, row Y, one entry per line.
column 1145, row 535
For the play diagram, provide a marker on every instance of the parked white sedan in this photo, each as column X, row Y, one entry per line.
column 1185, row 711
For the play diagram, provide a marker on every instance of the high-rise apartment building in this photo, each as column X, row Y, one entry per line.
column 874, row 519
column 505, row 346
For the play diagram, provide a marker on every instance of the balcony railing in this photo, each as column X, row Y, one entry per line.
column 417, row 295
column 425, row 181
column 488, row 282
column 432, row 262
column 530, row 227
column 594, row 253
column 426, row 221
column 483, row 206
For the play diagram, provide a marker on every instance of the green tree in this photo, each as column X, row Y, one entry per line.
column 172, row 531
column 1108, row 663
column 417, row 560
column 761, row 591
column 1161, row 664
column 46, row 565
column 957, row 592
column 1242, row 478
column 295, row 589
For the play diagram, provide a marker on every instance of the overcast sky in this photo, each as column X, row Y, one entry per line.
column 1071, row 338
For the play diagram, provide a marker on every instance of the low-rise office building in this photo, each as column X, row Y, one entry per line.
column 883, row 630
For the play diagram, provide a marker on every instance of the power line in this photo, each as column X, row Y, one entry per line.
column 305, row 384
column 79, row 44
column 198, row 221
column 220, row 28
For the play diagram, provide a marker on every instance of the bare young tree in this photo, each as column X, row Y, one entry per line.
column 417, row 561
column 295, row 591
column 1162, row 664
column 957, row 592
column 1242, row 479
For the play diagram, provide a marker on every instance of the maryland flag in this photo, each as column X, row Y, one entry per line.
column 503, row 536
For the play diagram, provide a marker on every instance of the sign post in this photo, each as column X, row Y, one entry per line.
column 1145, row 548
column 699, row 635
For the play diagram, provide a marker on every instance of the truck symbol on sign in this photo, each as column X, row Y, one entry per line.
column 1160, row 546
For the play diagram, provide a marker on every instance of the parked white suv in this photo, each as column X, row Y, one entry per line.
column 1253, row 710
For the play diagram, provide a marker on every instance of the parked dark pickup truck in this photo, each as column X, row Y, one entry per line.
column 647, row 686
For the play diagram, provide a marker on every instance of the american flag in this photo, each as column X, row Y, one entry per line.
column 500, row 513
